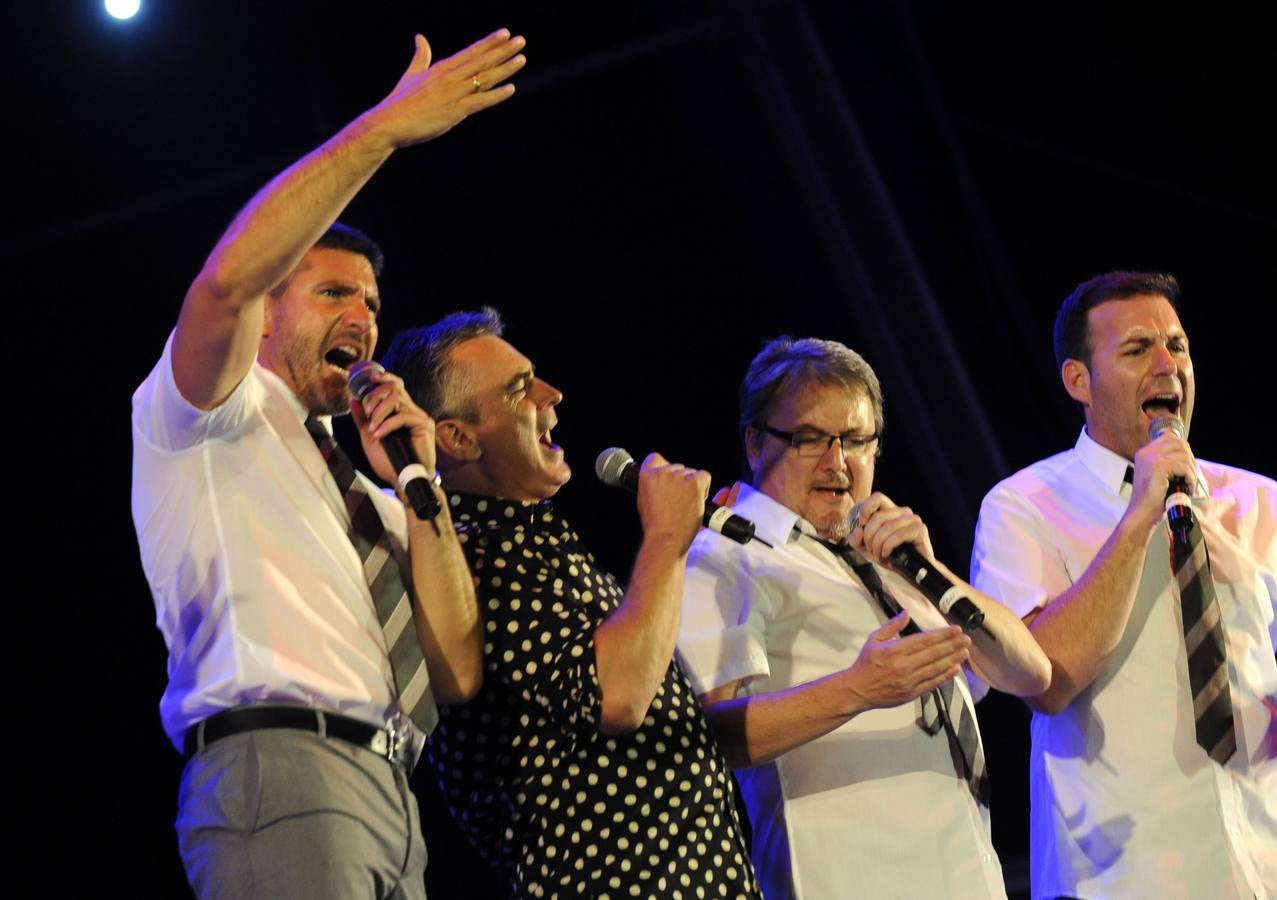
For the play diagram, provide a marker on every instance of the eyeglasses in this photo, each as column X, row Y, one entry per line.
column 817, row 443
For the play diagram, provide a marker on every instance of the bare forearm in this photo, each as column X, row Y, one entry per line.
column 1013, row 662
column 756, row 730
column 446, row 613
column 269, row 236
column 220, row 326
column 1080, row 629
column 633, row 647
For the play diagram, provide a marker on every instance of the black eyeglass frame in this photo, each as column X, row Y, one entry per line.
column 849, row 442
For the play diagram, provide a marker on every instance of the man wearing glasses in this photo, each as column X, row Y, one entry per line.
column 831, row 683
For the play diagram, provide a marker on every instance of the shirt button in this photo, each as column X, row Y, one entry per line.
column 988, row 857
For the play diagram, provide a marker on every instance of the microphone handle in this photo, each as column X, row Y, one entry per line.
column 716, row 518
column 728, row 524
column 1179, row 514
column 414, row 478
column 947, row 596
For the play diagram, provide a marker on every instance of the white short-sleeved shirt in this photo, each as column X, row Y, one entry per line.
column 1124, row 801
column 259, row 593
column 875, row 808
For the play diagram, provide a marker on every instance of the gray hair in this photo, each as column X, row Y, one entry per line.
column 785, row 363
column 421, row 357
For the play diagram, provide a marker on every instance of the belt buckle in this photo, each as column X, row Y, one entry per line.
column 390, row 742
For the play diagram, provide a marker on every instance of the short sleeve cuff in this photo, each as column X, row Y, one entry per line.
column 715, row 660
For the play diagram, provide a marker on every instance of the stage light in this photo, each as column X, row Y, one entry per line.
column 123, row 9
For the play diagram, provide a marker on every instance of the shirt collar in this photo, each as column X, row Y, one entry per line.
column 1110, row 468
column 772, row 522
column 496, row 510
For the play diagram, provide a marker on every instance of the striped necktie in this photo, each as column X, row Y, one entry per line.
column 1203, row 643
column 385, row 582
column 943, row 707
column 1203, row 638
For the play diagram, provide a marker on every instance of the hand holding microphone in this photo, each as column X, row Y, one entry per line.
column 884, row 531
column 1179, row 512
column 616, row 468
column 399, row 418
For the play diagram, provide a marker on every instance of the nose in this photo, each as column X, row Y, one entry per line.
column 835, row 456
column 545, row 394
column 358, row 317
column 1164, row 360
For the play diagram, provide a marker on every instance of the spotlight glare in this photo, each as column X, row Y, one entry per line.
column 123, row 9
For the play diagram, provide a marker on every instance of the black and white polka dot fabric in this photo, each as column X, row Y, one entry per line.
column 561, row 808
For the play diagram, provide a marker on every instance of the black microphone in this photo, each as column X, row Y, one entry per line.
column 943, row 593
column 416, row 481
column 1178, row 511
column 616, row 468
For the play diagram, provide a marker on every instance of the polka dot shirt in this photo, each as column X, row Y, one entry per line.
column 561, row 808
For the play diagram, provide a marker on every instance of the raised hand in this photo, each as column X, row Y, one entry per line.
column 431, row 99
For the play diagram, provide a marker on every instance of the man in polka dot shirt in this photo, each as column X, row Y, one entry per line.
column 585, row 767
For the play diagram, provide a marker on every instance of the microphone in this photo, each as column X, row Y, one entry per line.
column 1178, row 511
column 416, row 481
column 616, row 468
column 943, row 593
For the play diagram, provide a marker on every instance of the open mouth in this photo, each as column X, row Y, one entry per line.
column 833, row 490
column 1161, row 405
column 342, row 356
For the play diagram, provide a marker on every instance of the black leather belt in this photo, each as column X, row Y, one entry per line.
column 387, row 743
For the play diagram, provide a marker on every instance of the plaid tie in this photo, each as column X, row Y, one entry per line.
column 943, row 707
column 389, row 596
column 1203, row 644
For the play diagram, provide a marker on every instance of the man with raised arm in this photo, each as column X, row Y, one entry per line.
column 311, row 620
column 1154, row 764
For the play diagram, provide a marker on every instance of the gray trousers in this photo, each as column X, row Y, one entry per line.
column 285, row 813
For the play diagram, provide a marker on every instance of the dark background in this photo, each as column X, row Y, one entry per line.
column 672, row 183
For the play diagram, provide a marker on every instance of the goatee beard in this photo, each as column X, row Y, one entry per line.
column 837, row 531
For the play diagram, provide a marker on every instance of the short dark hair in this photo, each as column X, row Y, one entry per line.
column 342, row 237
column 784, row 363
column 1072, row 336
column 420, row 356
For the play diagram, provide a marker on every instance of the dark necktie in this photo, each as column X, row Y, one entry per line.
column 1203, row 639
column 1204, row 644
column 944, row 707
column 385, row 582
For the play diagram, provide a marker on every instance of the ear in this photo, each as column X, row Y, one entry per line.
column 457, row 440
column 753, row 450
column 1077, row 380
column 268, row 316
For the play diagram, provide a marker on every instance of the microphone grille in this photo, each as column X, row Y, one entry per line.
column 609, row 465
column 359, row 377
column 1163, row 424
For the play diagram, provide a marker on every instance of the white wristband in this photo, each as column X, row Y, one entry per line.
column 417, row 470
